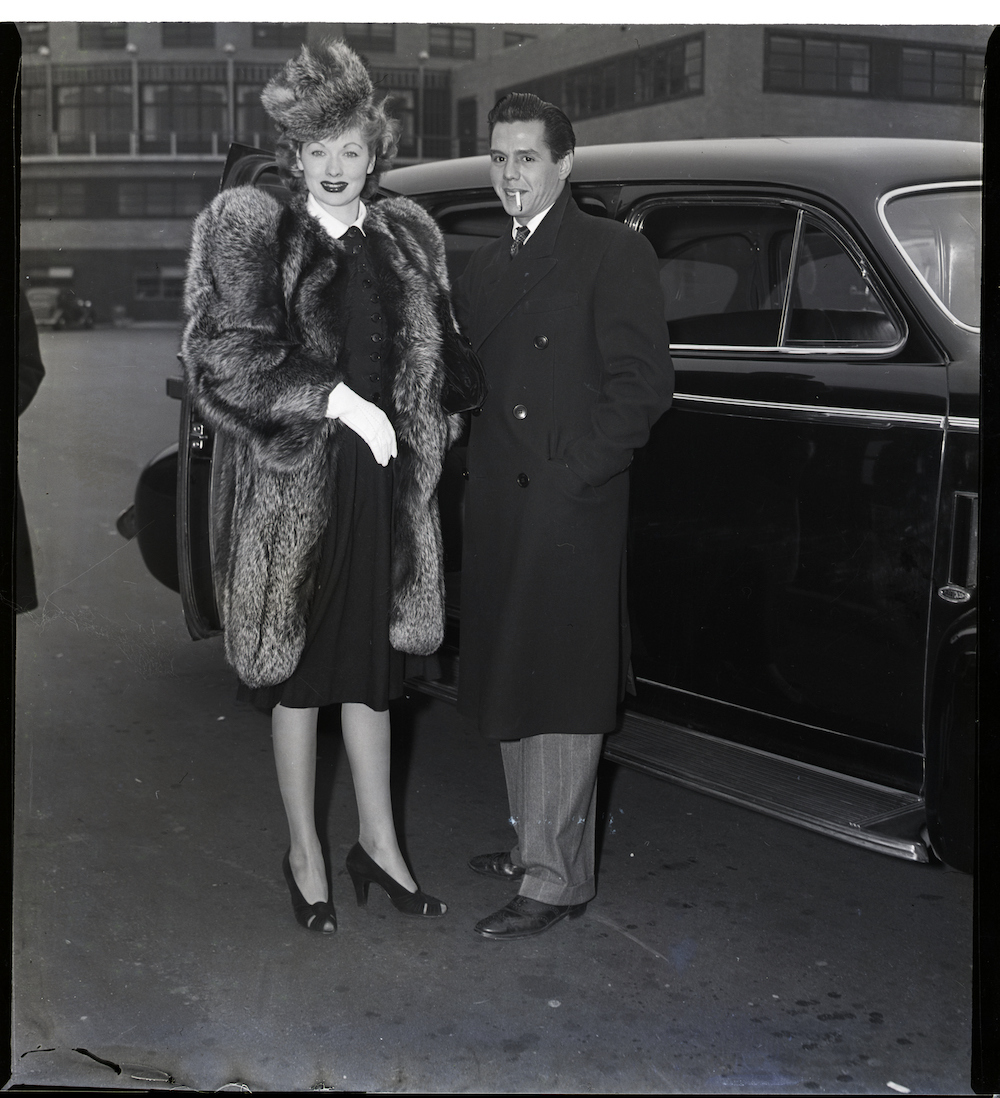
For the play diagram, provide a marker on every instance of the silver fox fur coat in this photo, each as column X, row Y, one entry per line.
column 266, row 324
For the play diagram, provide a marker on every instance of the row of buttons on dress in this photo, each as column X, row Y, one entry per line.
column 375, row 377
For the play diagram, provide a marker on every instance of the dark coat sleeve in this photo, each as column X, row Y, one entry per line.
column 30, row 370
column 638, row 376
column 250, row 371
column 461, row 293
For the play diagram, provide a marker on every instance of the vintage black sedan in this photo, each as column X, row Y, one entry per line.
column 803, row 545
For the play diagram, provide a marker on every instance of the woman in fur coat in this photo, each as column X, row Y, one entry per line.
column 313, row 348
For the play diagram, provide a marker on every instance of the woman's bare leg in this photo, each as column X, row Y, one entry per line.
column 294, row 734
column 367, row 740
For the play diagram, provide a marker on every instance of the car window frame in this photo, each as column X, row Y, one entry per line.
column 919, row 188
column 636, row 218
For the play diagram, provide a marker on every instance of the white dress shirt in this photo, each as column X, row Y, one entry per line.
column 531, row 224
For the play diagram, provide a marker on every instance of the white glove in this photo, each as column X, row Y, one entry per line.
column 365, row 419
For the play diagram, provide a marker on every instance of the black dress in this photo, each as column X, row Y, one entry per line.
column 347, row 655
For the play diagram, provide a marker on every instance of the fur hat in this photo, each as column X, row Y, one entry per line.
column 319, row 93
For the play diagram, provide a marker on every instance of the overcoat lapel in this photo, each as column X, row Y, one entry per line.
column 506, row 281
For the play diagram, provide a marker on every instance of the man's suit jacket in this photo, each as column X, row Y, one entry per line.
column 573, row 340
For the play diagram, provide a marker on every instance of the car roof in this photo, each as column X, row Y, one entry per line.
column 876, row 164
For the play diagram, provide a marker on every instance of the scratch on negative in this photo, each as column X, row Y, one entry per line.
column 96, row 564
column 631, row 937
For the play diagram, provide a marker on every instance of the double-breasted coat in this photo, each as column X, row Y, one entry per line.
column 572, row 337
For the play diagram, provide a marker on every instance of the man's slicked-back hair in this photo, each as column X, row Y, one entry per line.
column 525, row 107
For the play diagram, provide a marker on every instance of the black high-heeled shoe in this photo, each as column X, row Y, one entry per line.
column 365, row 871
column 319, row 916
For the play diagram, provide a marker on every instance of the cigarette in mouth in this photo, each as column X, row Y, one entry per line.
column 517, row 199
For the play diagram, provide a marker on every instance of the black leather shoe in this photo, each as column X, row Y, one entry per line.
column 319, row 916
column 497, row 865
column 524, row 917
column 364, row 871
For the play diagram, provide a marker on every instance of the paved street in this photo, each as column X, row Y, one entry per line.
column 154, row 941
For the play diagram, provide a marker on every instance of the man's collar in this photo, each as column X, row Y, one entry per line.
column 334, row 226
column 532, row 223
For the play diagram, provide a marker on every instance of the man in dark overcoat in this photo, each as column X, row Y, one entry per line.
column 566, row 313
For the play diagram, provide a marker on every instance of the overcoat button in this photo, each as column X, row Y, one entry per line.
column 465, row 474
column 376, row 397
column 376, row 338
column 520, row 411
column 373, row 377
column 376, row 318
column 541, row 342
column 522, row 479
column 374, row 298
column 375, row 356
column 477, row 411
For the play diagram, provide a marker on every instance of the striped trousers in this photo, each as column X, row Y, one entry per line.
column 552, row 791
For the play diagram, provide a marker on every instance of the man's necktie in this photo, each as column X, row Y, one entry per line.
column 520, row 236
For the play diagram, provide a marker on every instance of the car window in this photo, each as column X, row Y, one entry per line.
column 724, row 270
column 939, row 231
column 468, row 227
column 833, row 304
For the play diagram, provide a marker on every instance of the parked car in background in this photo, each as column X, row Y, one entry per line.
column 802, row 558
column 59, row 307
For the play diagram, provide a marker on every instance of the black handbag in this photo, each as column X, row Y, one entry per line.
column 464, row 388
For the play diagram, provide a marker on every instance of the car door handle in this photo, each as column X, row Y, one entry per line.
column 963, row 564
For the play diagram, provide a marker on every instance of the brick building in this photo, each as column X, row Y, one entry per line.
column 125, row 126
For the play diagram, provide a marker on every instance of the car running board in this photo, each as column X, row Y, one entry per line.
column 852, row 810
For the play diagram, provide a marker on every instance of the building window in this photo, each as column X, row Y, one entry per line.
column 34, row 120
column 188, row 109
column 183, row 35
column 160, row 284
column 591, row 91
column 401, row 104
column 448, row 41
column 372, row 37
column 33, row 35
column 52, row 198
column 817, row 65
column 878, row 68
column 672, row 70
column 941, row 75
column 516, row 38
column 424, row 116
column 102, row 36
column 160, row 198
column 467, row 119
column 93, row 108
column 253, row 126
column 279, row 36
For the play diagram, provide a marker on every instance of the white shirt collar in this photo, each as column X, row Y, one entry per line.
column 531, row 224
column 333, row 225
